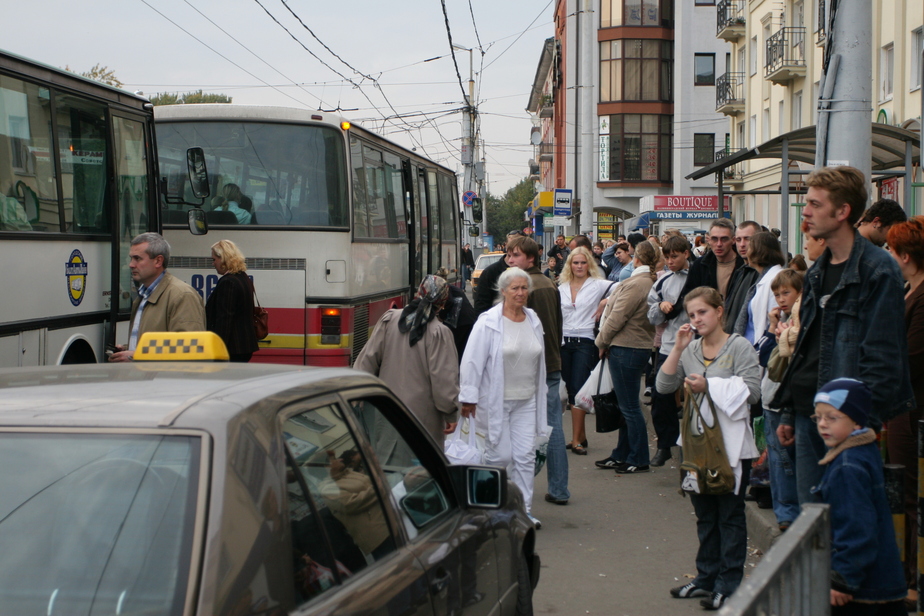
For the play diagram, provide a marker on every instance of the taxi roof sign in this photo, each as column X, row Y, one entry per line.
column 181, row 346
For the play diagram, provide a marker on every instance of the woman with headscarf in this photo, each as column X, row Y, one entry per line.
column 414, row 353
column 503, row 382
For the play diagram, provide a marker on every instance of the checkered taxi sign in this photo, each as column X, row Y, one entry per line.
column 181, row 346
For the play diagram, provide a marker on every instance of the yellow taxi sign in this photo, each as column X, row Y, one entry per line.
column 181, row 346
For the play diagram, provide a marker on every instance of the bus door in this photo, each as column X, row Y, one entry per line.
column 421, row 218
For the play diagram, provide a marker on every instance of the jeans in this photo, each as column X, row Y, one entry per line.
column 782, row 472
column 557, row 461
column 723, row 538
column 578, row 358
column 809, row 450
column 626, row 367
column 664, row 411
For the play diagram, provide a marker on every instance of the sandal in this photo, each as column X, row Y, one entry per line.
column 579, row 449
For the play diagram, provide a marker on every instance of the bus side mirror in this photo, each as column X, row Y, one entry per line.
column 197, row 222
column 477, row 210
column 473, row 231
column 198, row 174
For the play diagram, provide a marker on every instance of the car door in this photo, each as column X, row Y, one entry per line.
column 455, row 545
column 348, row 555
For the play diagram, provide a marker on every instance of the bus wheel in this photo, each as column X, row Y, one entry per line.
column 79, row 353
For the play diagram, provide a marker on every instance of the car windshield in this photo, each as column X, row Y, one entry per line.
column 96, row 523
column 486, row 260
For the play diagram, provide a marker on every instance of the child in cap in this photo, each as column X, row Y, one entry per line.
column 866, row 573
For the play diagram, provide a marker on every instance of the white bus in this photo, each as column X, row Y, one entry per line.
column 338, row 224
column 77, row 182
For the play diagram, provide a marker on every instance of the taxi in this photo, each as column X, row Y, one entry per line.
column 484, row 260
column 174, row 487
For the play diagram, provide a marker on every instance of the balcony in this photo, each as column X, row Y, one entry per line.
column 548, row 107
column 821, row 33
column 733, row 174
column 545, row 152
column 785, row 55
column 729, row 94
column 730, row 20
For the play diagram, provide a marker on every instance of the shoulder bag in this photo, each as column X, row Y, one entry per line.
column 705, row 469
column 260, row 316
column 606, row 407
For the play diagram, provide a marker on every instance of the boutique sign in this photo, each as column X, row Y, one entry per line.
column 687, row 203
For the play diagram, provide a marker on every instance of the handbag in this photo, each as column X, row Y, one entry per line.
column 599, row 379
column 606, row 408
column 705, row 468
column 260, row 316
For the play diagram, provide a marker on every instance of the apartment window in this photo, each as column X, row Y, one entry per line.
column 917, row 44
column 703, row 148
column 765, row 125
column 704, row 69
column 639, row 148
column 657, row 13
column 635, row 70
column 753, row 53
column 886, row 67
column 752, row 132
column 741, row 142
column 780, row 128
column 705, row 3
column 796, row 110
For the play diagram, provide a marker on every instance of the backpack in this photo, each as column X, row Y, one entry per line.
column 705, row 469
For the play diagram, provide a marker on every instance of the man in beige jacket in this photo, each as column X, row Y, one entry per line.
column 164, row 303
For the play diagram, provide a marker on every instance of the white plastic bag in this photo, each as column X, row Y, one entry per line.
column 462, row 446
column 584, row 398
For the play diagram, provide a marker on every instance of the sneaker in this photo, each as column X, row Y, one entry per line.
column 647, row 392
column 535, row 521
column 660, row 457
column 607, row 463
column 628, row 469
column 714, row 602
column 689, row 591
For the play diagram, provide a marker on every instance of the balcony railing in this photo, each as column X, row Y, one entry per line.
column 729, row 93
column 730, row 19
column 785, row 55
column 546, row 151
column 733, row 173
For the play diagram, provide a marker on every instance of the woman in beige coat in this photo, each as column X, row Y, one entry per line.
column 414, row 353
column 627, row 334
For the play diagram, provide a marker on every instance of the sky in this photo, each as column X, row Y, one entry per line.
column 394, row 60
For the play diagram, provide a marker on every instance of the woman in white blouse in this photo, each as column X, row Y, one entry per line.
column 582, row 288
column 502, row 379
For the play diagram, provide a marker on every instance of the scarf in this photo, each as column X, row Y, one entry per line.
column 430, row 299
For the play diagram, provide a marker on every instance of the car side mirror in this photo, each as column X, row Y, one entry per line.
column 198, row 174
column 480, row 487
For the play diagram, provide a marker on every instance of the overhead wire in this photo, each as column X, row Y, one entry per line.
column 218, row 53
column 453, row 51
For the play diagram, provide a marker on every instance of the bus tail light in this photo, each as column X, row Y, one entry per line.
column 331, row 326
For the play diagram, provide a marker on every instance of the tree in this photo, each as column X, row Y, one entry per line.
column 505, row 214
column 103, row 74
column 190, row 98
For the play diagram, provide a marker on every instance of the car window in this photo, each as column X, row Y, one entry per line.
column 96, row 523
column 342, row 497
column 486, row 260
column 414, row 491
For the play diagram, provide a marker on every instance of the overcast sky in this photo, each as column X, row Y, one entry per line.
column 242, row 52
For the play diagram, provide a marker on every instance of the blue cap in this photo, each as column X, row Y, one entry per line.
column 850, row 396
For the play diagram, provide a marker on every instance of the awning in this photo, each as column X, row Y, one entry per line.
column 639, row 222
column 888, row 149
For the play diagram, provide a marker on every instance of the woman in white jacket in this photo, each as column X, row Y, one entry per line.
column 765, row 256
column 502, row 382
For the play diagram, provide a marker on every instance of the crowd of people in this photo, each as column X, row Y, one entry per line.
column 817, row 352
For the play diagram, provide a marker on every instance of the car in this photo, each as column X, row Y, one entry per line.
column 175, row 487
column 484, row 260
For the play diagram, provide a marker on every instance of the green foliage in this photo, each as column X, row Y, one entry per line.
column 103, row 74
column 190, row 98
column 504, row 214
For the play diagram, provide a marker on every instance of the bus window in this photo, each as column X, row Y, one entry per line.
column 361, row 226
column 434, row 202
column 395, row 195
column 449, row 244
column 28, row 192
column 82, row 130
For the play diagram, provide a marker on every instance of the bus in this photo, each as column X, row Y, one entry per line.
column 77, row 182
column 338, row 224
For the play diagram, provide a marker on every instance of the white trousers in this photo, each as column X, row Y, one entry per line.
column 516, row 447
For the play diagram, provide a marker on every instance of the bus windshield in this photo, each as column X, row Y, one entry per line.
column 261, row 174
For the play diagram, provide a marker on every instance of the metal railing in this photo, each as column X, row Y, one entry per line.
column 729, row 88
column 785, row 48
column 794, row 577
column 729, row 13
column 732, row 172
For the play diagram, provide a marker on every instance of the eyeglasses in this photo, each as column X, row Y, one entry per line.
column 828, row 419
column 515, row 233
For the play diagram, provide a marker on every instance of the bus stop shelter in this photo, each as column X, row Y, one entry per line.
column 892, row 148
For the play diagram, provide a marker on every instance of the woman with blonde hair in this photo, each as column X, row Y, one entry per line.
column 229, row 308
column 627, row 335
column 581, row 289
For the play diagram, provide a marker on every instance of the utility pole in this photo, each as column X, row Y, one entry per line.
column 469, row 141
column 588, row 123
column 844, row 131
